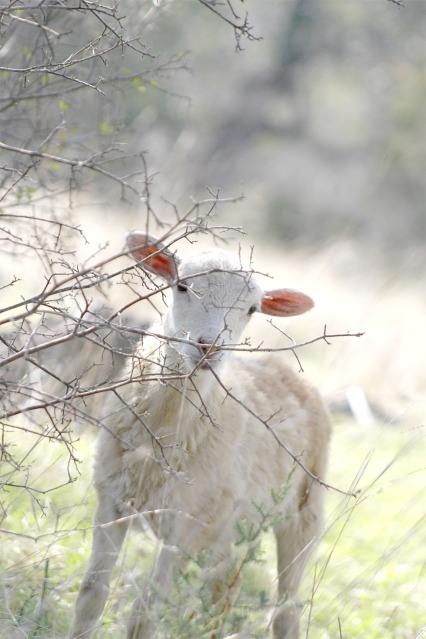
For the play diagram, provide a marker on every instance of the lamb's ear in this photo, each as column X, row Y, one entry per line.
column 151, row 252
column 285, row 302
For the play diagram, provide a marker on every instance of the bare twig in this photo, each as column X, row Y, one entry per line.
column 240, row 25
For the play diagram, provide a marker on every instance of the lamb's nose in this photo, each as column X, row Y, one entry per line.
column 207, row 347
column 204, row 346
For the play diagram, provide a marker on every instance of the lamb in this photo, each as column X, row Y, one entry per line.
column 199, row 436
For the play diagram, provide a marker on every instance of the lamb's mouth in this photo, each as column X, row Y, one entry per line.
column 206, row 363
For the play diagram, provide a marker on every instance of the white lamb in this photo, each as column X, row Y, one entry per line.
column 199, row 437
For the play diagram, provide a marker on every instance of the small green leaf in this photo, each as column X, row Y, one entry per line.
column 105, row 128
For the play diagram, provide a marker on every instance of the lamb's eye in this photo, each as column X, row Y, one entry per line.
column 181, row 287
column 252, row 309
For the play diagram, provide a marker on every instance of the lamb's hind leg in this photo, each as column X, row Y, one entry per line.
column 108, row 535
column 295, row 539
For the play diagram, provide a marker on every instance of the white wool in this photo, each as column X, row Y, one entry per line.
column 200, row 436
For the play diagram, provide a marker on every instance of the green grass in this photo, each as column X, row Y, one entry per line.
column 370, row 568
column 366, row 579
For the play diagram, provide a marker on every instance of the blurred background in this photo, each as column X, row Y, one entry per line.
column 321, row 124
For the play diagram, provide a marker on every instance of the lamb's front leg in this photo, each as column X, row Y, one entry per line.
column 222, row 582
column 108, row 535
column 142, row 620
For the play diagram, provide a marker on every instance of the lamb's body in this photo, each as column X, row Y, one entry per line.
column 217, row 454
column 196, row 454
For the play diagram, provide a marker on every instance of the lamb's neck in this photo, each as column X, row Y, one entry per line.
column 173, row 400
column 158, row 355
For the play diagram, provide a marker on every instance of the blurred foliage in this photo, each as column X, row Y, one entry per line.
column 320, row 121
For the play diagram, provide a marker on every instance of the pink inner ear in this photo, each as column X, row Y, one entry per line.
column 163, row 264
column 285, row 302
column 162, row 261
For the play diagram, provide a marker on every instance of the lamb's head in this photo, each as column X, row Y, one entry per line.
column 213, row 299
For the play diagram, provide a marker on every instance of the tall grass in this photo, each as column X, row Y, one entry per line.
column 370, row 571
column 366, row 579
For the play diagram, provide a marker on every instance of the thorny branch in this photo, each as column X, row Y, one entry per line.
column 45, row 331
column 89, row 163
column 67, row 60
column 265, row 423
column 240, row 24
